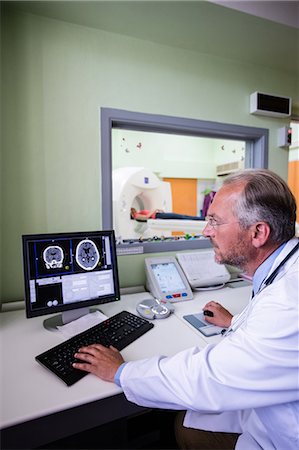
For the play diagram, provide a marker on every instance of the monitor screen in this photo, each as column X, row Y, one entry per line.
column 67, row 271
column 168, row 277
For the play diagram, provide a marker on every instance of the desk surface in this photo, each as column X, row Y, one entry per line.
column 28, row 391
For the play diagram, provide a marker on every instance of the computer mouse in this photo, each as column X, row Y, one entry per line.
column 208, row 313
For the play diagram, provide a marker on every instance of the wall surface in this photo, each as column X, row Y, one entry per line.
column 173, row 156
column 55, row 77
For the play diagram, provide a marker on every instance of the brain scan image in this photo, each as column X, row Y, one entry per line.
column 53, row 257
column 87, row 254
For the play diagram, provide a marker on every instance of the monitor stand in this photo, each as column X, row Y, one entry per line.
column 53, row 322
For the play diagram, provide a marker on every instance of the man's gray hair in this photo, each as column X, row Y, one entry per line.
column 267, row 198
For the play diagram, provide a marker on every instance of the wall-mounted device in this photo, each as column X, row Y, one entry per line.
column 284, row 137
column 270, row 105
column 166, row 280
column 201, row 269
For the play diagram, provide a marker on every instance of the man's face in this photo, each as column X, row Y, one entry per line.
column 232, row 244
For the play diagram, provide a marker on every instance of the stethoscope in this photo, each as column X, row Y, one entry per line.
column 266, row 283
column 274, row 274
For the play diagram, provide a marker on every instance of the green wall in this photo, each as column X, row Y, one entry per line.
column 55, row 77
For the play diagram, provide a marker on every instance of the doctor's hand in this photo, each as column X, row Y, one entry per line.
column 99, row 360
column 221, row 316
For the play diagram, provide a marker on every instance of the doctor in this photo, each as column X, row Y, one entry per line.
column 244, row 389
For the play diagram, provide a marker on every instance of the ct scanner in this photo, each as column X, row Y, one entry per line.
column 140, row 188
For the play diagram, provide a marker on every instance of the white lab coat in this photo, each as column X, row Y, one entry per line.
column 248, row 383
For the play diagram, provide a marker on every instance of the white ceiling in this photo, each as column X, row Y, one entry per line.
column 285, row 12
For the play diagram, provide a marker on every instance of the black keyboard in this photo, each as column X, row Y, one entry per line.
column 119, row 330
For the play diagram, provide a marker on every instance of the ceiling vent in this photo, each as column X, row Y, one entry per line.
column 225, row 169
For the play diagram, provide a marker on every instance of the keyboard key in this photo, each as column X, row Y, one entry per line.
column 119, row 330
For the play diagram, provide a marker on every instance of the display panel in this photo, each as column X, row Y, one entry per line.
column 168, row 277
column 66, row 271
column 165, row 279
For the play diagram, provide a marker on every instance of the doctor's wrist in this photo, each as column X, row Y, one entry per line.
column 118, row 374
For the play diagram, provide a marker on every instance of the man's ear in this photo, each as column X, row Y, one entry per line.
column 260, row 234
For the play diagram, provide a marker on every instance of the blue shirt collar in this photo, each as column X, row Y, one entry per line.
column 263, row 270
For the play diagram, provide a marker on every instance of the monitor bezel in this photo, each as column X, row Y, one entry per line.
column 26, row 238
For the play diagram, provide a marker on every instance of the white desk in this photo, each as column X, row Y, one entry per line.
column 37, row 407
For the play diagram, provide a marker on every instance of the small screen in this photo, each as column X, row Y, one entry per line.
column 68, row 271
column 168, row 277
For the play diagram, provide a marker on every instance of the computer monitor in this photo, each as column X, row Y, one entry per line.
column 68, row 273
